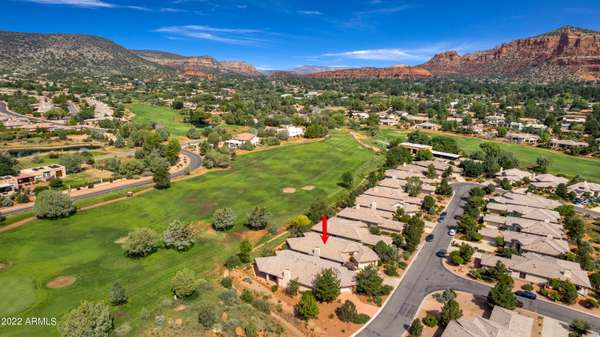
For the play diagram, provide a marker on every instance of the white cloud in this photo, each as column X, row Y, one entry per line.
column 91, row 4
column 237, row 36
column 385, row 54
column 172, row 10
column 402, row 54
column 77, row 3
column 310, row 12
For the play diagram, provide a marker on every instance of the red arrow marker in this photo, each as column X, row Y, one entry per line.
column 324, row 236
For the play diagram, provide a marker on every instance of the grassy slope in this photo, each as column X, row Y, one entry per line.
column 561, row 163
column 83, row 245
column 164, row 116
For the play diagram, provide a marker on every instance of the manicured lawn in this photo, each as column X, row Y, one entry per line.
column 167, row 117
column 84, row 245
column 560, row 163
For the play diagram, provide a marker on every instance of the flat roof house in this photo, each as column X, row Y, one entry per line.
column 566, row 144
column 287, row 265
column 547, row 180
column 385, row 204
column 582, row 188
column 502, row 323
column 393, row 193
column 350, row 254
column 540, row 269
column 522, row 138
column 534, row 227
column 8, row 185
column 523, row 242
column 33, row 175
column 371, row 217
column 513, row 175
column 357, row 231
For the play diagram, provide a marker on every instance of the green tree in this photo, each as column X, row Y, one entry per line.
column 326, row 286
column 141, row 242
column 51, row 204
column 443, row 188
column 9, row 165
column 450, row 311
column 178, row 235
column 318, row 209
column 347, row 311
column 161, row 176
column 298, row 225
column 89, row 319
column 579, row 327
column 386, row 253
column 308, row 308
column 413, row 186
column 501, row 294
column 72, row 162
column 347, row 180
column 541, row 165
column 415, row 329
column 257, row 219
column 184, row 283
column 117, row 295
column 428, row 204
column 369, row 282
column 223, row 218
column 245, row 250
column 413, row 232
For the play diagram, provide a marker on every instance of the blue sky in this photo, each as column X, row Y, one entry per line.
column 277, row 34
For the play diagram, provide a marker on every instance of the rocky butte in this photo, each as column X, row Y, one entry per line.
column 568, row 53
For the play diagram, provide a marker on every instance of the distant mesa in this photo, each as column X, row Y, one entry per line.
column 371, row 72
column 567, row 53
column 198, row 66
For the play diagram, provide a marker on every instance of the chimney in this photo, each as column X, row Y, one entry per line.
column 357, row 206
column 403, row 164
column 373, row 205
column 317, row 252
column 286, row 276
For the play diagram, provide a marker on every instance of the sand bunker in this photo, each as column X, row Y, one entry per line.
column 289, row 190
column 61, row 282
column 308, row 188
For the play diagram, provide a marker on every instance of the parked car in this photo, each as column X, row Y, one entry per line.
column 441, row 253
column 527, row 294
column 429, row 238
column 442, row 217
column 452, row 231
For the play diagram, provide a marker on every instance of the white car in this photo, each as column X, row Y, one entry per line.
column 452, row 232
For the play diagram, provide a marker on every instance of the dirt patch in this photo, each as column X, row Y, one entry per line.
column 61, row 282
column 121, row 241
column 308, row 188
column 289, row 190
column 5, row 265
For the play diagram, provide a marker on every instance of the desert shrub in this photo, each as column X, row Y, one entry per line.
column 141, row 242
column 52, row 204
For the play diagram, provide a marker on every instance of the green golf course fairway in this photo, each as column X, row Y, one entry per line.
column 560, row 163
column 167, row 117
column 83, row 246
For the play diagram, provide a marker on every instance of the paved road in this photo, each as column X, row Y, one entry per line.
column 588, row 211
column 427, row 274
column 195, row 162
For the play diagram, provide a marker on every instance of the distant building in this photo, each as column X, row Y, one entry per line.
column 34, row 175
column 566, row 144
column 522, row 138
column 8, row 185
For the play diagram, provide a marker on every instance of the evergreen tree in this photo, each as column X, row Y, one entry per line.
column 326, row 287
column 450, row 311
column 308, row 308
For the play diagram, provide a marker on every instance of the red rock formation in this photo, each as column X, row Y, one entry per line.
column 369, row 72
column 199, row 66
column 566, row 53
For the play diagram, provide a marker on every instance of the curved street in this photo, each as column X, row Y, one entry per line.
column 427, row 274
column 195, row 161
